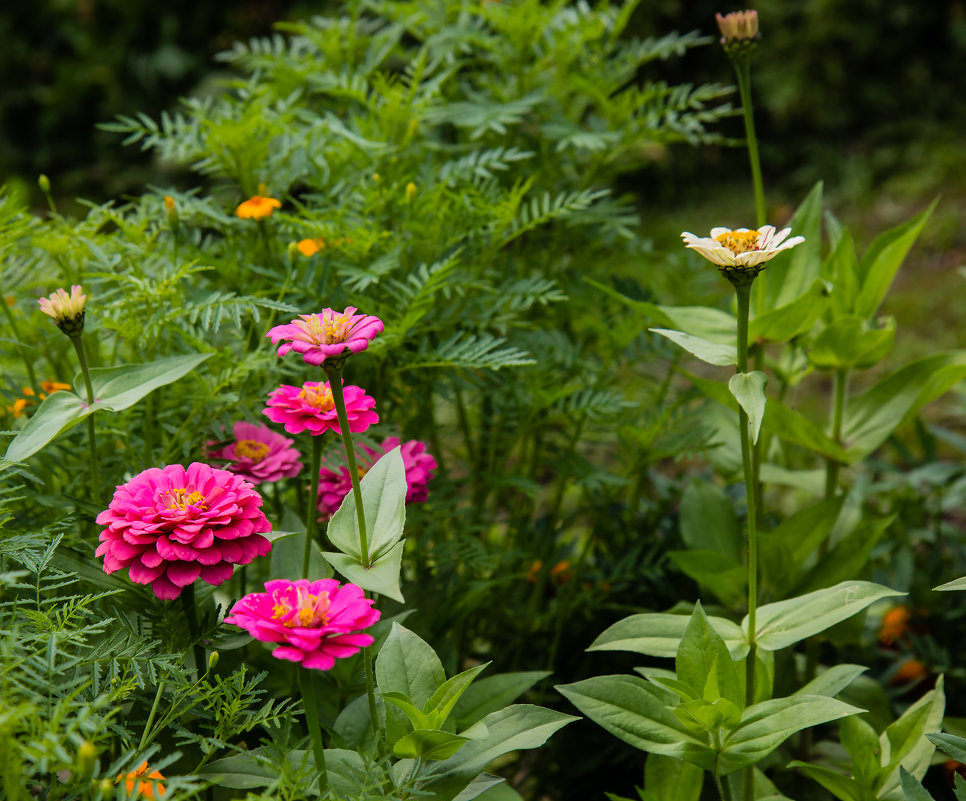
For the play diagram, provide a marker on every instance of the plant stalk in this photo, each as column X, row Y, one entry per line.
column 191, row 612
column 78, row 343
column 313, row 725
column 311, row 511
column 743, row 70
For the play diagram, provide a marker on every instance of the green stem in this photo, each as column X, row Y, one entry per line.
column 78, row 343
column 743, row 70
column 28, row 366
column 313, row 725
column 154, row 711
column 724, row 788
column 743, row 292
column 831, row 465
column 334, row 375
column 312, row 512
column 191, row 612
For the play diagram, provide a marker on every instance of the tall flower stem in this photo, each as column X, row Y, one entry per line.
column 743, row 291
column 191, row 613
column 313, row 725
column 334, row 374
column 743, row 70
column 78, row 343
column 838, row 415
column 311, row 512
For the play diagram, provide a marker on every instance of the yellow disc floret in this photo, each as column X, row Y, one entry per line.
column 739, row 241
column 319, row 397
column 181, row 498
column 251, row 449
column 310, row 610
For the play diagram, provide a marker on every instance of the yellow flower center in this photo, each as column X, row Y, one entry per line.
column 310, row 610
column 251, row 449
column 328, row 331
column 319, row 397
column 182, row 499
column 738, row 241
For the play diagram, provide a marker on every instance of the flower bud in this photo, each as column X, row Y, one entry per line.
column 410, row 192
column 106, row 789
column 212, row 660
column 376, row 177
column 44, row 183
column 292, row 249
column 171, row 211
column 86, row 759
column 739, row 34
column 66, row 310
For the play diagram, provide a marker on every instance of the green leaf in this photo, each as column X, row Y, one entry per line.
column 848, row 558
column 832, row 681
column 790, row 275
column 656, row 634
column 704, row 663
column 428, row 744
column 861, row 742
column 912, row 788
column 707, row 351
column 384, row 503
column 850, row 341
column 955, row 584
column 767, row 725
column 708, row 521
column 872, row 416
column 784, row 551
column 883, row 259
column 631, row 709
column 798, row 317
column 725, row 579
column 115, row 389
column 381, row 577
column 517, row 727
column 492, row 694
column 749, row 390
column 442, row 702
column 904, row 741
column 840, row 786
column 671, row 779
column 241, row 771
column 950, row 744
column 417, row 717
column 786, row 622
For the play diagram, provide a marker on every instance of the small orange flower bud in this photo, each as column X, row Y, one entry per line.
column 309, row 247
column 257, row 207
column 66, row 310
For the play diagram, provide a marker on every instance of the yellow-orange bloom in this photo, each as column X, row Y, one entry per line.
column 257, row 207
column 911, row 670
column 561, row 572
column 309, row 247
column 47, row 387
column 895, row 623
column 140, row 783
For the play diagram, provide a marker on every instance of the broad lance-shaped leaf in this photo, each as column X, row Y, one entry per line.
column 705, row 350
column 904, row 742
column 768, row 724
column 634, row 711
column 671, row 779
column 842, row 787
column 384, row 503
column 115, row 389
column 704, row 664
column 872, row 416
column 656, row 634
column 955, row 584
column 382, row 576
column 786, row 622
column 749, row 391
column 493, row 693
column 787, row 322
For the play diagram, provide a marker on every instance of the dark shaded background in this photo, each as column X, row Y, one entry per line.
column 859, row 92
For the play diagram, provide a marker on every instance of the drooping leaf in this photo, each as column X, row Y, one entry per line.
column 706, row 350
column 749, row 390
column 381, row 577
column 658, row 634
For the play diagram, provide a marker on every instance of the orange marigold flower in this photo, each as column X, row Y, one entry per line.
column 534, row 571
column 257, row 207
column 19, row 406
column 895, row 624
column 140, row 783
column 561, row 572
column 309, row 247
column 52, row 386
column 912, row 670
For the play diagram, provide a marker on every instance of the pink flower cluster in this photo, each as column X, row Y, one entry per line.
column 327, row 335
column 170, row 526
column 419, row 465
column 316, row 622
column 258, row 454
column 311, row 408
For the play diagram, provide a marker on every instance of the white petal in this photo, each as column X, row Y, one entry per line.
column 721, row 256
column 716, row 232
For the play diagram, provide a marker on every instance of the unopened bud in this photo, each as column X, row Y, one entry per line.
column 66, row 310
column 86, row 759
column 293, row 251
column 739, row 34
column 171, row 211
column 44, row 183
column 410, row 192
column 106, row 789
column 212, row 660
column 376, row 177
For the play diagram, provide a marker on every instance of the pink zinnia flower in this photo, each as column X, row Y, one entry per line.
column 259, row 454
column 317, row 621
column 334, row 486
column 311, row 408
column 170, row 526
column 327, row 335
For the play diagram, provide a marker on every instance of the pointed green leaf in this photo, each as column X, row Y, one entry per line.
column 842, row 787
column 767, row 725
column 117, row 388
column 904, row 741
column 631, row 709
column 428, row 744
column 671, row 779
column 912, row 789
column 493, row 693
column 56, row 415
column 786, row 622
column 950, row 744
column 707, row 351
column 417, row 717
column 861, row 742
column 955, row 584
column 408, row 665
column 850, row 341
column 883, row 259
column 787, row 322
column 704, row 663
column 784, row 551
column 847, row 559
column 442, row 702
column 708, row 521
column 381, row 577
column 727, row 580
column 285, row 558
column 384, row 503
column 749, row 390
column 657, row 634
column 832, row 681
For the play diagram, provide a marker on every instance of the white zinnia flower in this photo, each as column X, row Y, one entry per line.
column 741, row 248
